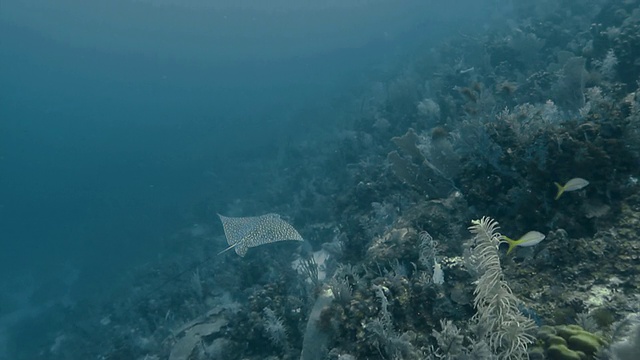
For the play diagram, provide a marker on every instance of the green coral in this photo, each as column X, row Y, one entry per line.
column 585, row 342
column 561, row 352
column 557, row 340
column 567, row 342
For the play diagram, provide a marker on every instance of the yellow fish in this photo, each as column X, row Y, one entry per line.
column 529, row 239
column 571, row 185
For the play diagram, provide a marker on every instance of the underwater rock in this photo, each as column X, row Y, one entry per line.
column 315, row 339
column 193, row 335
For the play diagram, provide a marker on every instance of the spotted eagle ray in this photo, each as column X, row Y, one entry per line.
column 243, row 233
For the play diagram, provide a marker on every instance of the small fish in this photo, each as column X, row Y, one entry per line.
column 571, row 185
column 529, row 239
